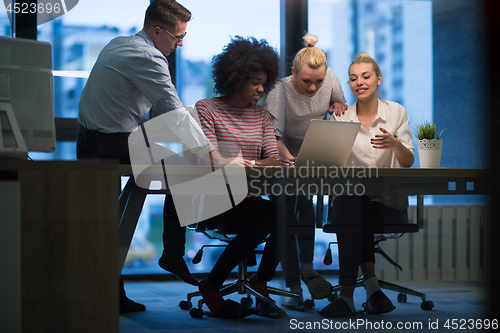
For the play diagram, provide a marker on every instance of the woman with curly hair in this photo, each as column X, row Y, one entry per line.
column 233, row 122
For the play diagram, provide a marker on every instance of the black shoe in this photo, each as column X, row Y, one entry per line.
column 128, row 305
column 337, row 308
column 178, row 267
column 233, row 310
column 378, row 303
column 264, row 309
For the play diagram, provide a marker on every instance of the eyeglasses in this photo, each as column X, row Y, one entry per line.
column 177, row 38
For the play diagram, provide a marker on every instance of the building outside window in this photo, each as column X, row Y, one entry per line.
column 395, row 33
column 213, row 25
column 5, row 27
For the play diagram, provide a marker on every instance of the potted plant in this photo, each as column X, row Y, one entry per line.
column 430, row 144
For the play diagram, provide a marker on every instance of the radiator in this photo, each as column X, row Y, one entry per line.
column 452, row 246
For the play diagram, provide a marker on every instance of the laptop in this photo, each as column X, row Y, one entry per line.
column 327, row 143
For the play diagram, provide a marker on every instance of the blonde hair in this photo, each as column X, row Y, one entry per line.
column 364, row 58
column 310, row 55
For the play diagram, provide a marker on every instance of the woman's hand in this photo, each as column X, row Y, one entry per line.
column 338, row 108
column 385, row 140
column 250, row 163
column 388, row 141
column 274, row 160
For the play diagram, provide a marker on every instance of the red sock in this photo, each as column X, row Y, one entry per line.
column 212, row 298
column 259, row 287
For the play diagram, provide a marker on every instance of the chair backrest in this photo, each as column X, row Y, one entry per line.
column 404, row 226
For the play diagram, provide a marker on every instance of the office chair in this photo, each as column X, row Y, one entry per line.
column 390, row 231
column 241, row 285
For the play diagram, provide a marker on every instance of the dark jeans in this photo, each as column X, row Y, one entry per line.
column 251, row 220
column 362, row 219
column 97, row 145
column 300, row 245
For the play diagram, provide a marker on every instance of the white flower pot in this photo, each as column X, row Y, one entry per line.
column 429, row 153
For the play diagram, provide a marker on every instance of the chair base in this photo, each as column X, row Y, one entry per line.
column 403, row 291
column 242, row 286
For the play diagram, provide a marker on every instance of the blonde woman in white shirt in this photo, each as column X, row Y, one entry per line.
column 384, row 140
column 311, row 92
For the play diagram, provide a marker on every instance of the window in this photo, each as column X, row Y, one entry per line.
column 77, row 37
column 5, row 27
column 397, row 34
column 212, row 26
column 391, row 32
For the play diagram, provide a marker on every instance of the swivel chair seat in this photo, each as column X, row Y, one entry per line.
column 241, row 285
column 389, row 231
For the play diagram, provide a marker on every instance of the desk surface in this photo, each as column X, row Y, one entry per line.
column 409, row 181
column 324, row 171
column 268, row 172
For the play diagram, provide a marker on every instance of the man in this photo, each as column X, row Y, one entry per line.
column 130, row 77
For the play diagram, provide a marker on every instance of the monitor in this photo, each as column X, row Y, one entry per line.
column 27, row 87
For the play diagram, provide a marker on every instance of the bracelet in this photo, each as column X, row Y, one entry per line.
column 253, row 162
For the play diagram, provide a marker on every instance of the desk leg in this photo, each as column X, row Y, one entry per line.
column 420, row 211
column 131, row 202
column 122, row 200
column 319, row 211
column 10, row 257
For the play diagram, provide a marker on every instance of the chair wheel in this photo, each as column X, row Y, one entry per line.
column 333, row 297
column 246, row 301
column 300, row 306
column 273, row 313
column 427, row 305
column 309, row 304
column 196, row 313
column 185, row 305
column 402, row 298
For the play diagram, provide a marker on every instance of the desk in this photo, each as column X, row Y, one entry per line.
column 316, row 181
column 59, row 261
column 376, row 180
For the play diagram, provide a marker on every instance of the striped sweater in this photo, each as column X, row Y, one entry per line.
column 230, row 129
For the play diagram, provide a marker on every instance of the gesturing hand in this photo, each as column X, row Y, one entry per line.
column 385, row 140
column 275, row 160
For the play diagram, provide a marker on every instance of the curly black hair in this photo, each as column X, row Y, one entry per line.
column 239, row 58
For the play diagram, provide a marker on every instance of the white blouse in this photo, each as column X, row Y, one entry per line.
column 392, row 117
